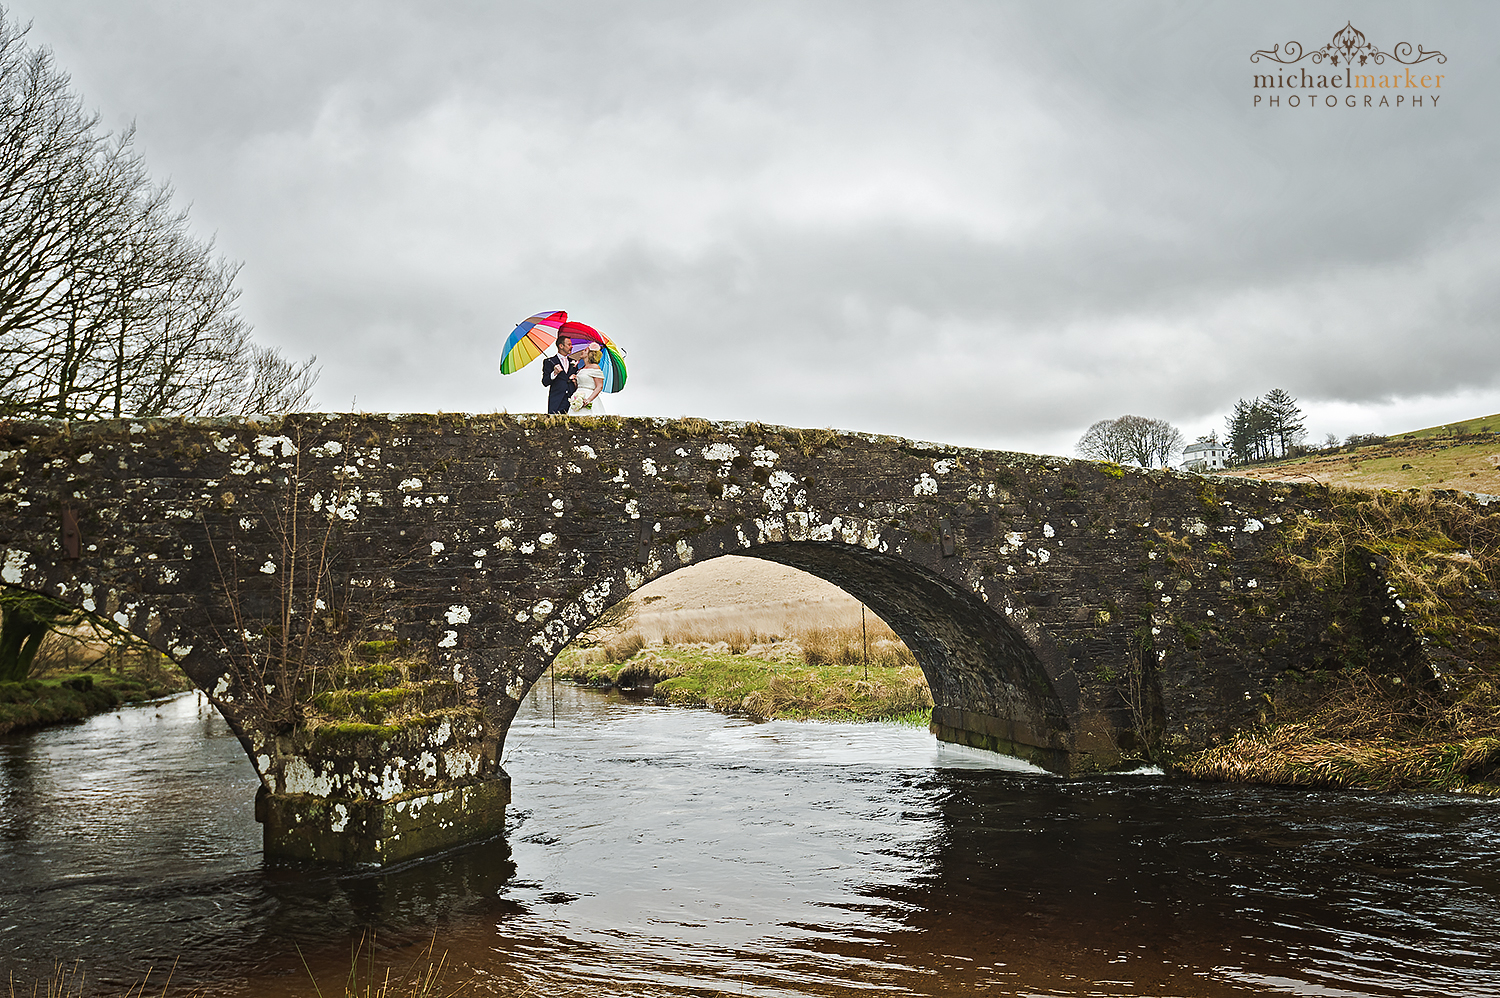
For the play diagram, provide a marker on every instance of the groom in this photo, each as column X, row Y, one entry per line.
column 560, row 375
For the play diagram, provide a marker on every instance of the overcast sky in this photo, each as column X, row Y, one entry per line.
column 980, row 223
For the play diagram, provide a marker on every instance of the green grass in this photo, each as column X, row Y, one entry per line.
column 764, row 681
column 1465, row 427
column 36, row 702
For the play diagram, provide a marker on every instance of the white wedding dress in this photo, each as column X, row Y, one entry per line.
column 587, row 379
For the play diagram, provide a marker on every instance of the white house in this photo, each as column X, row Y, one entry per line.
column 1202, row 457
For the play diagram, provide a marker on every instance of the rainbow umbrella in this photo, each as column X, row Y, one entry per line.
column 530, row 340
column 611, row 359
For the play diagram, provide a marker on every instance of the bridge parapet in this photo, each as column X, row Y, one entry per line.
column 1064, row 611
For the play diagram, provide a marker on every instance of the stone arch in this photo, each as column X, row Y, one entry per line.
column 165, row 627
column 1011, row 681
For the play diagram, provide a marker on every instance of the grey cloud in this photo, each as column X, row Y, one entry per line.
column 802, row 213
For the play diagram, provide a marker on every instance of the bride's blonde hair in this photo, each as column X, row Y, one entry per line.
column 595, row 355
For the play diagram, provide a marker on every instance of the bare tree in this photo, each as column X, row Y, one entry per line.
column 1143, row 441
column 108, row 305
column 1102, row 442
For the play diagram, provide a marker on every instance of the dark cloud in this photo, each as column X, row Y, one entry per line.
column 979, row 222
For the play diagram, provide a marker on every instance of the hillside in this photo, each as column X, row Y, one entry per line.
column 1463, row 456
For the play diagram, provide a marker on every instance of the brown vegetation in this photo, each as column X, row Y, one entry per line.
column 1430, row 720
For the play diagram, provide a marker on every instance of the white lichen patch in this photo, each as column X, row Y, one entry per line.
column 684, row 552
column 595, row 598
column 944, row 466
column 297, row 777
column 648, row 468
column 409, row 484
column 448, row 640
column 15, row 566
column 1047, row 530
column 719, row 451
column 778, row 490
column 925, row 486
column 460, row 763
column 269, row 568
column 547, row 539
column 764, row 457
column 457, row 614
column 1252, row 525
column 543, row 609
column 437, row 547
column 586, row 451
column 275, row 446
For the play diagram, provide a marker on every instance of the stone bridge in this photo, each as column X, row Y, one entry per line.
column 1072, row 613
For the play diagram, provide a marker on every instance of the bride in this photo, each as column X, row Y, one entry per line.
column 589, row 399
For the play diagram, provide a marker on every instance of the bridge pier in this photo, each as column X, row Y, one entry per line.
column 378, row 794
column 381, row 832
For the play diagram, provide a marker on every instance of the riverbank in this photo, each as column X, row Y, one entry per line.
column 824, row 675
column 65, row 696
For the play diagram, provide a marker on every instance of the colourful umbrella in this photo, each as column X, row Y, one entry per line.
column 530, row 340
column 611, row 357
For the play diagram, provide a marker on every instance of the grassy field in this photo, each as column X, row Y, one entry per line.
column 1410, row 461
column 1467, row 427
column 818, row 674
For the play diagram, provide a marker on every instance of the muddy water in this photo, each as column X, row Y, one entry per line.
column 676, row 852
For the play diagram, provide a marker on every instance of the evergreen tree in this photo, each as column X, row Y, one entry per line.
column 1283, row 419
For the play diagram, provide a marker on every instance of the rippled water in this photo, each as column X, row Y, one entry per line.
column 677, row 852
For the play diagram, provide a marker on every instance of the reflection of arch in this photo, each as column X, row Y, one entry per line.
column 969, row 650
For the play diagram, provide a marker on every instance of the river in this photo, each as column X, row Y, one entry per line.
column 668, row 851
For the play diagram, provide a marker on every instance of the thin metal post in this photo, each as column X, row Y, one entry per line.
column 866, row 636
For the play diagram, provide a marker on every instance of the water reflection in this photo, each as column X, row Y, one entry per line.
column 676, row 852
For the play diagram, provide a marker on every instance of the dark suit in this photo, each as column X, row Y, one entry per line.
column 556, row 375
